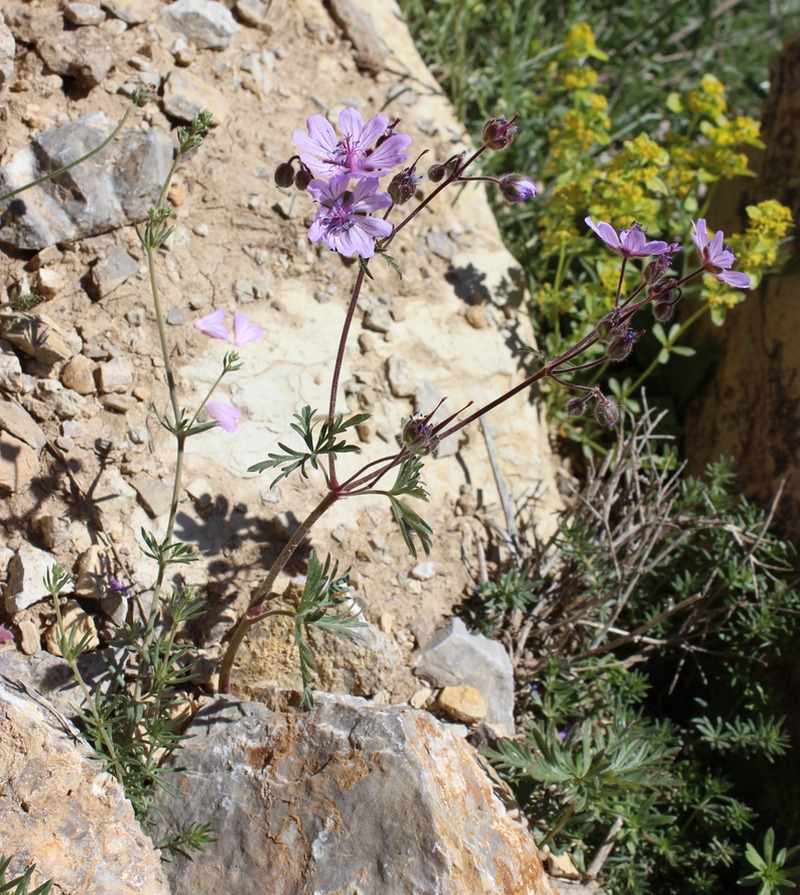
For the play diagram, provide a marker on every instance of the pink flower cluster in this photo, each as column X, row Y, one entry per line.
column 365, row 152
column 244, row 331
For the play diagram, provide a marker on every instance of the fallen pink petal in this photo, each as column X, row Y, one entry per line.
column 226, row 415
column 213, row 325
column 245, row 330
column 5, row 635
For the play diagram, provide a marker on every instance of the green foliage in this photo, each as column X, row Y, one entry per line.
column 324, row 592
column 19, row 885
column 323, row 444
column 770, row 874
column 412, row 525
column 663, row 605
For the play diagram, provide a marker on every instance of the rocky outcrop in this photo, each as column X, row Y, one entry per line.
column 347, row 797
column 60, row 811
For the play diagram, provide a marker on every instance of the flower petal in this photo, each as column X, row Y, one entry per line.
column 226, row 415
column 213, row 325
column 245, row 330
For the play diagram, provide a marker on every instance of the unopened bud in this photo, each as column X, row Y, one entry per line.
column 517, row 188
column 620, row 346
column 576, row 407
column 606, row 412
column 403, row 186
column 606, row 328
column 284, row 175
column 498, row 133
column 418, row 434
column 436, row 173
column 302, row 179
column 142, row 95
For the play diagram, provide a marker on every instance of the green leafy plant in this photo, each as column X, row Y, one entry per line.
column 770, row 873
column 19, row 885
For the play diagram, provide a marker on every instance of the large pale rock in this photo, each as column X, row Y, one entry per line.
column 114, row 188
column 61, row 811
column 83, row 55
column 475, row 661
column 26, row 576
column 750, row 410
column 344, row 798
column 206, row 23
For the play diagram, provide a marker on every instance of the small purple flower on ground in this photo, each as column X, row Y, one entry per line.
column 5, row 635
column 354, row 155
column 630, row 243
column 213, row 325
column 342, row 217
column 226, row 415
column 245, row 330
column 517, row 188
column 716, row 258
column 118, row 587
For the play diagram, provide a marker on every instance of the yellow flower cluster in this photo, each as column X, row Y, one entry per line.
column 580, row 41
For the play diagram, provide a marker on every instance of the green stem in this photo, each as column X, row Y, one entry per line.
column 247, row 621
column 684, row 326
column 83, row 158
column 559, row 825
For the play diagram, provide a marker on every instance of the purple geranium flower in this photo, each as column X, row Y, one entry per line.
column 244, row 330
column 342, row 217
column 517, row 188
column 630, row 243
column 354, row 154
column 716, row 258
column 226, row 415
column 5, row 635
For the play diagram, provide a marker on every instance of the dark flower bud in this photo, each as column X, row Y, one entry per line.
column 142, row 95
column 621, row 346
column 436, row 173
column 302, row 179
column 284, row 175
column 517, row 188
column 664, row 309
column 606, row 412
column 403, row 186
column 607, row 327
column 418, row 434
column 576, row 407
column 498, row 133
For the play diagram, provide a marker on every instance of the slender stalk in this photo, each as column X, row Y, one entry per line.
column 83, row 158
column 247, row 621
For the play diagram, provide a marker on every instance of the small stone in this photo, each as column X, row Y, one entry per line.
column 476, row 317
column 378, row 320
column 201, row 230
column 200, row 491
column 19, row 464
column 176, row 317
column 49, row 283
column 255, row 13
column 186, row 95
column 54, row 530
column 424, row 571
column 77, row 623
column 154, row 495
column 112, row 272
column 84, row 14
column 178, row 194
column 403, row 381
column 83, row 55
column 64, row 403
column 10, row 369
column 142, row 393
column 206, row 23
column 26, row 574
column 132, row 12
column 135, row 316
column 463, row 703
column 30, row 640
column 115, row 375
column 78, row 375
column 386, row 622
column 15, row 420
column 119, row 403
column 48, row 255
column 421, row 698
column 93, row 573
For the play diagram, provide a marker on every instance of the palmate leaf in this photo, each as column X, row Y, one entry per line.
column 411, row 524
column 323, row 444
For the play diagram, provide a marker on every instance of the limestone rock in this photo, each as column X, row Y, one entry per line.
column 186, row 95
column 18, row 464
column 463, row 703
column 7, row 50
column 26, row 574
column 112, row 189
column 10, row 369
column 78, row 375
column 18, row 422
column 133, row 12
column 93, row 573
column 77, row 624
column 83, row 55
column 39, row 337
column 115, row 375
column 481, row 663
column 112, row 272
column 84, row 14
column 346, row 794
column 61, row 811
column 206, row 23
